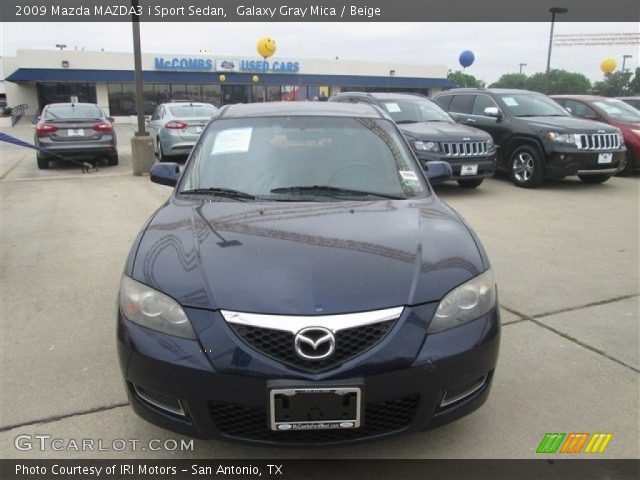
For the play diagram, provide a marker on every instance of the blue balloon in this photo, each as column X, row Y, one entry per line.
column 467, row 58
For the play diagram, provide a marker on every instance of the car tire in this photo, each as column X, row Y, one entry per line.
column 43, row 163
column 630, row 165
column 470, row 183
column 113, row 160
column 160, row 152
column 595, row 178
column 526, row 168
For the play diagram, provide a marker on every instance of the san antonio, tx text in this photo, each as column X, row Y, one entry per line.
column 245, row 11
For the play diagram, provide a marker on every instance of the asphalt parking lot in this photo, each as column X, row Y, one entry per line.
column 566, row 259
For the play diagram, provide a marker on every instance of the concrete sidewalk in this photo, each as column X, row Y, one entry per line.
column 566, row 258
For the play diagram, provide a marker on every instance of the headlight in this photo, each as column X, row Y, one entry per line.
column 152, row 309
column 465, row 303
column 562, row 137
column 426, row 146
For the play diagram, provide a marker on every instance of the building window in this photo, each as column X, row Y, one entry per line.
column 114, row 91
column 194, row 93
column 273, row 93
column 128, row 99
column 212, row 94
column 294, row 92
column 50, row 92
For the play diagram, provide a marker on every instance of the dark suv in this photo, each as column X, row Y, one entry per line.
column 536, row 137
column 434, row 135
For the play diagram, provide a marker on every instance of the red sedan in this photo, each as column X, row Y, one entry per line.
column 614, row 112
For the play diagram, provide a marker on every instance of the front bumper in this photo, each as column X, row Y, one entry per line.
column 224, row 389
column 562, row 164
column 486, row 164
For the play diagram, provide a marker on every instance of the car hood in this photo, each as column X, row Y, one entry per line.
column 441, row 131
column 306, row 258
column 569, row 124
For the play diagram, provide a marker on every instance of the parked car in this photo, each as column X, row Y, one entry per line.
column 175, row 127
column 304, row 284
column 614, row 112
column 537, row 138
column 75, row 131
column 434, row 135
column 633, row 101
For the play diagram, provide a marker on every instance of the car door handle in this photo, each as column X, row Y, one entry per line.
column 471, row 120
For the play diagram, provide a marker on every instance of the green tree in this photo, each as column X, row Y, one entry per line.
column 615, row 83
column 465, row 80
column 511, row 80
column 560, row 81
column 634, row 84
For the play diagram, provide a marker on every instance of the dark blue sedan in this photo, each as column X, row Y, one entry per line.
column 304, row 285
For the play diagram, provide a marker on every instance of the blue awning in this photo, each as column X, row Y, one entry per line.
column 127, row 76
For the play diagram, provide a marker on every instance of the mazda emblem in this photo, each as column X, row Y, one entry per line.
column 315, row 343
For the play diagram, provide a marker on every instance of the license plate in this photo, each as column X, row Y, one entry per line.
column 605, row 157
column 75, row 133
column 315, row 408
column 198, row 129
column 469, row 170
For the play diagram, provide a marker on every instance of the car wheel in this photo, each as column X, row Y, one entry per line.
column 471, row 183
column 526, row 168
column 629, row 167
column 113, row 160
column 43, row 163
column 160, row 152
column 595, row 178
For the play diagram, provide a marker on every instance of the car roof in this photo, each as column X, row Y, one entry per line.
column 69, row 104
column 629, row 98
column 185, row 102
column 487, row 90
column 301, row 109
column 385, row 95
column 587, row 98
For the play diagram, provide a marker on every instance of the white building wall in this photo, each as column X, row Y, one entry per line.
column 18, row 94
column 102, row 97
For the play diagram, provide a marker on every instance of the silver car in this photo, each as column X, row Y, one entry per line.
column 176, row 126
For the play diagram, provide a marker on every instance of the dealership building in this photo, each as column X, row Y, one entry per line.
column 38, row 77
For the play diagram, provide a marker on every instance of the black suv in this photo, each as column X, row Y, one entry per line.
column 434, row 135
column 536, row 137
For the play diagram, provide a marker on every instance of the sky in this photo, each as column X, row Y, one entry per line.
column 498, row 47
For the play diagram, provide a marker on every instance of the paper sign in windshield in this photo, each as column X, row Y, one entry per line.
column 510, row 101
column 392, row 107
column 408, row 175
column 234, row 140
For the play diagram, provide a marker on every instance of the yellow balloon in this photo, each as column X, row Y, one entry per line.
column 255, row 79
column 608, row 65
column 266, row 47
column 223, row 78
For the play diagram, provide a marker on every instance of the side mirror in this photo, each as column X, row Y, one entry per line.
column 493, row 112
column 111, row 119
column 438, row 172
column 165, row 174
column 147, row 118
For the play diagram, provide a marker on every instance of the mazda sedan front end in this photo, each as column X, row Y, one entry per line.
column 304, row 285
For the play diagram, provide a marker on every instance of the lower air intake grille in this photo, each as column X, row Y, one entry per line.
column 249, row 422
column 279, row 345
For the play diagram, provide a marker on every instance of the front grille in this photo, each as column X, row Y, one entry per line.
column 250, row 422
column 599, row 141
column 279, row 344
column 464, row 149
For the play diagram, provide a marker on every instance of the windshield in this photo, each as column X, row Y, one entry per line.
column 193, row 111
column 303, row 159
column 532, row 105
column 414, row 111
column 75, row 112
column 618, row 110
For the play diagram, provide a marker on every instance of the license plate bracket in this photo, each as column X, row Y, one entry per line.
column 469, row 169
column 315, row 408
column 605, row 158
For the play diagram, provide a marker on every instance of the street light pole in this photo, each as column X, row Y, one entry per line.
column 624, row 61
column 142, row 154
column 137, row 60
column 522, row 65
column 554, row 11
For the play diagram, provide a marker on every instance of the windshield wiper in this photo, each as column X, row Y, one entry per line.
column 219, row 192
column 327, row 189
column 400, row 122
